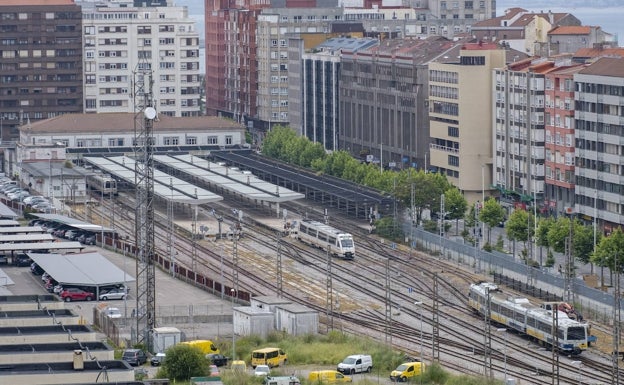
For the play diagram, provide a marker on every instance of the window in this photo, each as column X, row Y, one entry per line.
column 453, row 160
column 115, row 142
column 213, row 140
column 453, row 131
column 228, row 139
column 171, row 140
column 191, row 140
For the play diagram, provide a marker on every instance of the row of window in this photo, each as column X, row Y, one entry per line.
column 167, row 141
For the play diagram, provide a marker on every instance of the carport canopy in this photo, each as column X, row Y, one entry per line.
column 81, row 269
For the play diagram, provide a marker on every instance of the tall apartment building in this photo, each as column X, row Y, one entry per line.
column 383, row 93
column 520, row 130
column 599, row 114
column 120, row 39
column 40, row 61
column 460, row 112
column 559, row 143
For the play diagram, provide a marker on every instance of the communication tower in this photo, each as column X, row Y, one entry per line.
column 144, row 117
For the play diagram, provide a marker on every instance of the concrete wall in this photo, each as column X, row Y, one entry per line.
column 46, row 338
column 38, row 321
column 27, row 357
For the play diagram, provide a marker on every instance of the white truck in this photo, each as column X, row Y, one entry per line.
column 357, row 363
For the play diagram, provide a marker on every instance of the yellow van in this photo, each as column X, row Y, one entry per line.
column 238, row 366
column 406, row 371
column 328, row 376
column 206, row 346
column 268, row 356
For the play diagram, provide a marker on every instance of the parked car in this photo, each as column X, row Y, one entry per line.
column 157, row 359
column 217, row 359
column 36, row 269
column 134, row 357
column 23, row 261
column 262, row 371
column 29, row 200
column 113, row 294
column 113, row 312
column 75, row 294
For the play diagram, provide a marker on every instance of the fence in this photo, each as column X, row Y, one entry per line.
column 586, row 299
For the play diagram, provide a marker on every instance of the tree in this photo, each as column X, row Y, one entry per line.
column 183, row 362
column 455, row 205
column 557, row 234
column 610, row 251
column 491, row 214
column 583, row 242
column 519, row 227
column 541, row 237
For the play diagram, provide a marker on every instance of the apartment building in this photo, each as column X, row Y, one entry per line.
column 460, row 116
column 41, row 61
column 559, row 142
column 599, row 115
column 121, row 39
column 520, row 130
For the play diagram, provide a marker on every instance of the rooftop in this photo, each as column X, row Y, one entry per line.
column 606, row 66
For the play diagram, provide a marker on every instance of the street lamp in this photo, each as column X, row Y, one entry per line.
column 420, row 304
column 232, row 293
column 504, row 330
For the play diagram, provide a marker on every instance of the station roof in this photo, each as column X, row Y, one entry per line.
column 6, row 247
column 6, row 212
column 165, row 186
column 4, row 238
column 234, row 180
column 88, row 269
column 72, row 222
column 8, row 223
column 21, row 230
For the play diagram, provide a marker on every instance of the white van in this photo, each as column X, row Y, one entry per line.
column 356, row 364
column 281, row 380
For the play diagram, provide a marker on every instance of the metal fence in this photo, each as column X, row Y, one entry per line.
column 586, row 299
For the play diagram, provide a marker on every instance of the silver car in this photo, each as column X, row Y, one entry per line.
column 113, row 294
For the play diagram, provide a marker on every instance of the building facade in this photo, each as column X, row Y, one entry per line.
column 121, row 40
column 599, row 115
column 41, row 61
column 460, row 113
column 559, row 142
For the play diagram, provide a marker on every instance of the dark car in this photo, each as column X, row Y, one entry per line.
column 157, row 359
column 36, row 269
column 134, row 357
column 217, row 359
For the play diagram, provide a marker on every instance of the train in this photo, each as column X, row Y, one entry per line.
column 102, row 183
column 535, row 321
column 325, row 237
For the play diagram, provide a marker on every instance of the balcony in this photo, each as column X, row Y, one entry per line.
column 443, row 148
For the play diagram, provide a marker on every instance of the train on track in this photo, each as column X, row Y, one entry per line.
column 325, row 237
column 102, row 183
column 535, row 321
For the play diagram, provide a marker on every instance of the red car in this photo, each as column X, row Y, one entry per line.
column 73, row 294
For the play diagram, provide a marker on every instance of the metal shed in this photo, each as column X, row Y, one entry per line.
column 247, row 321
column 296, row 319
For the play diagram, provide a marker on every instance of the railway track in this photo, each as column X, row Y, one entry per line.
column 306, row 281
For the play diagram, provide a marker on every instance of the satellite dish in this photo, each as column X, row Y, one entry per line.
column 150, row 113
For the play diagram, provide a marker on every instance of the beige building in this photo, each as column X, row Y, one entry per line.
column 460, row 117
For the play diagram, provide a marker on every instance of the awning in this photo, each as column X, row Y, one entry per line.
column 85, row 269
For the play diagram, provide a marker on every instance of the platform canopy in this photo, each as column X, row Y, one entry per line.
column 81, row 269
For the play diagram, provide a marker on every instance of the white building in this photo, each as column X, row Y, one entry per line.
column 120, row 38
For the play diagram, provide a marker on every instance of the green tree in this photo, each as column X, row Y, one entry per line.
column 387, row 228
column 183, row 362
column 557, row 234
column 455, row 205
column 583, row 242
column 541, row 237
column 491, row 214
column 610, row 251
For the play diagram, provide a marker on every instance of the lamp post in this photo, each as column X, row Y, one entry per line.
column 232, row 293
column 420, row 310
column 504, row 330
column 125, row 298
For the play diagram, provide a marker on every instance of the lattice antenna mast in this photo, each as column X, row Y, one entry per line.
column 144, row 116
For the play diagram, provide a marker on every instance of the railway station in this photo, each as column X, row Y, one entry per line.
column 353, row 199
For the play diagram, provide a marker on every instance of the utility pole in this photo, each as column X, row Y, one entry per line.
column 329, row 305
column 388, row 303
column 279, row 277
column 435, row 323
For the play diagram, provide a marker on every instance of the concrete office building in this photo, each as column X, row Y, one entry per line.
column 41, row 61
column 121, row 39
column 599, row 91
column 314, row 106
column 383, row 93
column 460, row 112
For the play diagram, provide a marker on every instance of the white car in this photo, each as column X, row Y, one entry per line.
column 262, row 371
column 113, row 312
